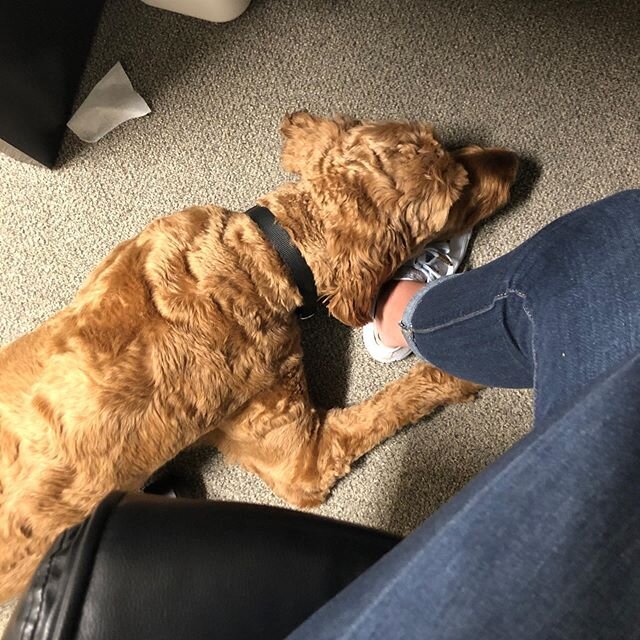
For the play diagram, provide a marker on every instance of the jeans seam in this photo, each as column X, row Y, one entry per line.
column 501, row 296
column 477, row 312
column 413, row 303
column 534, row 355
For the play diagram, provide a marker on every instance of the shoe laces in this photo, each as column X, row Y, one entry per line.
column 435, row 254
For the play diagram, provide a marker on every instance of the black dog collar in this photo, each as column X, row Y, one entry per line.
column 290, row 255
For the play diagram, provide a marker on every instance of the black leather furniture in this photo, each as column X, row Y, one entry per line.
column 153, row 567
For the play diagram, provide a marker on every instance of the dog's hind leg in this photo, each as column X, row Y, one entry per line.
column 301, row 453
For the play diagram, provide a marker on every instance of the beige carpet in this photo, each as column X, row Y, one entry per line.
column 559, row 84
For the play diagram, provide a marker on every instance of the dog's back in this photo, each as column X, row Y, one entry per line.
column 168, row 335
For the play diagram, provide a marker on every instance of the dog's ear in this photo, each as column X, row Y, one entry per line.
column 307, row 138
column 491, row 173
column 361, row 266
column 387, row 209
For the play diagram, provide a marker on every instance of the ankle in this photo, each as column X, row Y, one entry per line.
column 392, row 302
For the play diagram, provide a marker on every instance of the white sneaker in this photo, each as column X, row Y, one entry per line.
column 439, row 259
column 379, row 351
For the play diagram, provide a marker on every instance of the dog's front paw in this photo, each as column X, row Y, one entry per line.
column 467, row 391
column 434, row 386
column 302, row 498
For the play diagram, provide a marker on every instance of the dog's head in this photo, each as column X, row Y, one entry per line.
column 381, row 191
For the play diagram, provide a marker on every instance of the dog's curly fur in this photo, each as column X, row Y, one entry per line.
column 187, row 333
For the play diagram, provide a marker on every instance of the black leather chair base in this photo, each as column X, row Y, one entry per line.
column 145, row 566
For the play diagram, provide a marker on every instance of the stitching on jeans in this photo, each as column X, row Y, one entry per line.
column 449, row 323
column 534, row 355
column 525, row 308
column 525, row 303
column 500, row 296
column 477, row 312
column 413, row 303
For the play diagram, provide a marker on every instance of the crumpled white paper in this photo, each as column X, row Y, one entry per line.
column 111, row 102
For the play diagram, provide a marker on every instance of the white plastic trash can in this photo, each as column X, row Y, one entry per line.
column 212, row 10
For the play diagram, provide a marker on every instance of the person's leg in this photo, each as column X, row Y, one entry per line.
column 555, row 313
column 544, row 543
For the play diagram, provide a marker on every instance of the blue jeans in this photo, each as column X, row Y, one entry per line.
column 545, row 543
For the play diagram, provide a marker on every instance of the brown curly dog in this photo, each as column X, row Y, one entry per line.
column 187, row 333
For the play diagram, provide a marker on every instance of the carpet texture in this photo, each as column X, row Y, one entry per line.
column 556, row 82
